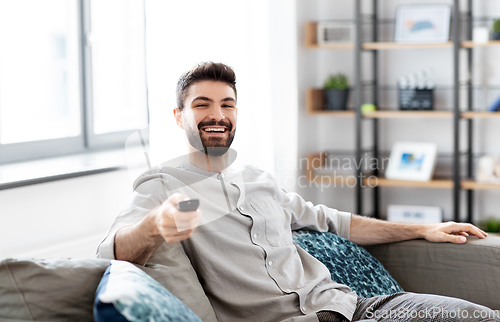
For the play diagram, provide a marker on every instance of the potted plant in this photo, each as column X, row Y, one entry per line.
column 495, row 35
column 336, row 92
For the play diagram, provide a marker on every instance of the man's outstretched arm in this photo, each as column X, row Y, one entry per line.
column 369, row 231
column 136, row 243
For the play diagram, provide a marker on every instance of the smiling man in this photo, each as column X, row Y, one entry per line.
column 240, row 240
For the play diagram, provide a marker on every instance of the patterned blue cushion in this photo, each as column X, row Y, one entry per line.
column 126, row 293
column 348, row 263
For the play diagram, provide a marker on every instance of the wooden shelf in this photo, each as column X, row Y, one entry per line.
column 473, row 185
column 312, row 43
column 393, row 45
column 315, row 101
column 471, row 44
column 408, row 114
column 435, row 183
column 334, row 113
column 312, row 40
column 471, row 115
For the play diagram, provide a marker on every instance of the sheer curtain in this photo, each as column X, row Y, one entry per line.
column 180, row 34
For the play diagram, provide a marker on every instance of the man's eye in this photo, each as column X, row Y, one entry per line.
column 201, row 105
column 228, row 106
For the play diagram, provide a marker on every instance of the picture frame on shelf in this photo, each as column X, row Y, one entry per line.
column 413, row 161
column 332, row 32
column 429, row 23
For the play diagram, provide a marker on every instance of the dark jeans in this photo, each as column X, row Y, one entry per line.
column 415, row 307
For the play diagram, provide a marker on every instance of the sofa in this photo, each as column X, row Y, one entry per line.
column 65, row 289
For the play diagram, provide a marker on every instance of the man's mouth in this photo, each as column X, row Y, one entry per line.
column 214, row 129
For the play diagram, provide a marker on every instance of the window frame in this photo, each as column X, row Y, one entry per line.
column 87, row 140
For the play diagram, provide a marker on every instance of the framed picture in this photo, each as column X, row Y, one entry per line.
column 412, row 161
column 422, row 23
column 329, row 32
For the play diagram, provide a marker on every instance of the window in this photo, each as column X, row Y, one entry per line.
column 72, row 76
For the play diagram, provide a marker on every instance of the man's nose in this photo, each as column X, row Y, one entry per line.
column 218, row 113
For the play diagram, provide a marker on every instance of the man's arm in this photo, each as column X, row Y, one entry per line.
column 369, row 231
column 136, row 243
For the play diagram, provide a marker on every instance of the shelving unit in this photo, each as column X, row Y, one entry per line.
column 315, row 103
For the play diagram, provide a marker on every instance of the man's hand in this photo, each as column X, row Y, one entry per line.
column 136, row 243
column 174, row 225
column 451, row 232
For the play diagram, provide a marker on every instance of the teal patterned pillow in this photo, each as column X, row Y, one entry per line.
column 126, row 293
column 348, row 263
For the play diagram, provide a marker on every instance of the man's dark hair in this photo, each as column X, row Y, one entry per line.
column 201, row 72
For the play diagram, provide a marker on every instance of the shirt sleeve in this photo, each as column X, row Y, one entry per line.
column 146, row 197
column 305, row 215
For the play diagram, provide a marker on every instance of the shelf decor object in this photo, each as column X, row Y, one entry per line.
column 335, row 33
column 414, row 214
column 423, row 23
column 412, row 161
column 488, row 169
column 336, row 92
column 495, row 107
column 495, row 34
column 416, row 99
column 480, row 35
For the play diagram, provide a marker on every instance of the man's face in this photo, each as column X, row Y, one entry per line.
column 209, row 117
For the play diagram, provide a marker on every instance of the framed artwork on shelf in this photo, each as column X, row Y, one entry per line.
column 415, row 161
column 329, row 32
column 428, row 23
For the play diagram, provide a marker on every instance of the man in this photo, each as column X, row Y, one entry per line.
column 240, row 240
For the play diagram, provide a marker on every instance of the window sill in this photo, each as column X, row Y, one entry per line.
column 20, row 174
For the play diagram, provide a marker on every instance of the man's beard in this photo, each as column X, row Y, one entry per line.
column 214, row 146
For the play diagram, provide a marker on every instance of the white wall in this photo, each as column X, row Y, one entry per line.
column 65, row 218
column 326, row 133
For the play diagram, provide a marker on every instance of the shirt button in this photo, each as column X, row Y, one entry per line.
column 270, row 263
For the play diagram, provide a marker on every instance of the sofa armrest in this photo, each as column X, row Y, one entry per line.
column 468, row 271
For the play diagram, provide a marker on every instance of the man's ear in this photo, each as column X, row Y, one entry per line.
column 178, row 117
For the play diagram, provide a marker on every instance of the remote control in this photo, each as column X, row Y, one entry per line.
column 188, row 205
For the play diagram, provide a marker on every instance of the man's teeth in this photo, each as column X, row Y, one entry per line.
column 215, row 129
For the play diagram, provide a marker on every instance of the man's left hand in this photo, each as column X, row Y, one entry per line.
column 451, row 232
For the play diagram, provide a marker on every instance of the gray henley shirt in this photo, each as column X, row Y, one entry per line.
column 243, row 252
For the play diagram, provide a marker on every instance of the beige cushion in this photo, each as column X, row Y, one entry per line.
column 63, row 289
column 468, row 271
column 49, row 290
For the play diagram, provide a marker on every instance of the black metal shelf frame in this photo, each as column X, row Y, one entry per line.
column 357, row 100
